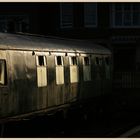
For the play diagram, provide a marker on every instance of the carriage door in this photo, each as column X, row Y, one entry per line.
column 3, row 70
column 4, row 87
column 74, row 77
column 3, row 74
column 86, row 68
column 59, row 70
column 74, row 71
column 107, row 67
column 41, row 71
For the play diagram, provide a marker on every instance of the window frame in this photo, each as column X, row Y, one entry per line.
column 88, row 60
column 113, row 17
column 100, row 59
column 70, row 60
column 70, row 24
column 44, row 61
column 96, row 18
column 62, row 60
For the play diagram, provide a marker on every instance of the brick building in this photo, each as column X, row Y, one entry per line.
column 114, row 25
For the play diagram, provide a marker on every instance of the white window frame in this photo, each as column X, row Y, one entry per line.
column 112, row 18
column 70, row 61
column 70, row 25
column 96, row 18
column 62, row 60
column 84, row 60
column 44, row 59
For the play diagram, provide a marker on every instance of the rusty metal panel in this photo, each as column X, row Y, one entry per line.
column 25, row 75
column 41, row 76
column 25, row 42
column 3, row 54
column 60, row 91
column 59, row 75
column 17, row 67
column 74, row 91
column 51, row 88
column 30, row 63
column 74, row 74
column 87, row 73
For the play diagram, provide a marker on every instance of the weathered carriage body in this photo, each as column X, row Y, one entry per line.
column 39, row 74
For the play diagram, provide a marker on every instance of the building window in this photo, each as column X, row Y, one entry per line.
column 125, row 15
column 14, row 23
column 3, row 72
column 66, row 15
column 90, row 14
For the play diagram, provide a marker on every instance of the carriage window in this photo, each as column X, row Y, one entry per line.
column 59, row 60
column 41, row 60
column 3, row 73
column 73, row 60
column 98, row 61
column 86, row 61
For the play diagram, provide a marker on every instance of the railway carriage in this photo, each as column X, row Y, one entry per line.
column 41, row 74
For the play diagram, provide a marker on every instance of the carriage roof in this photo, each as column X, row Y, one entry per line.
column 41, row 43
